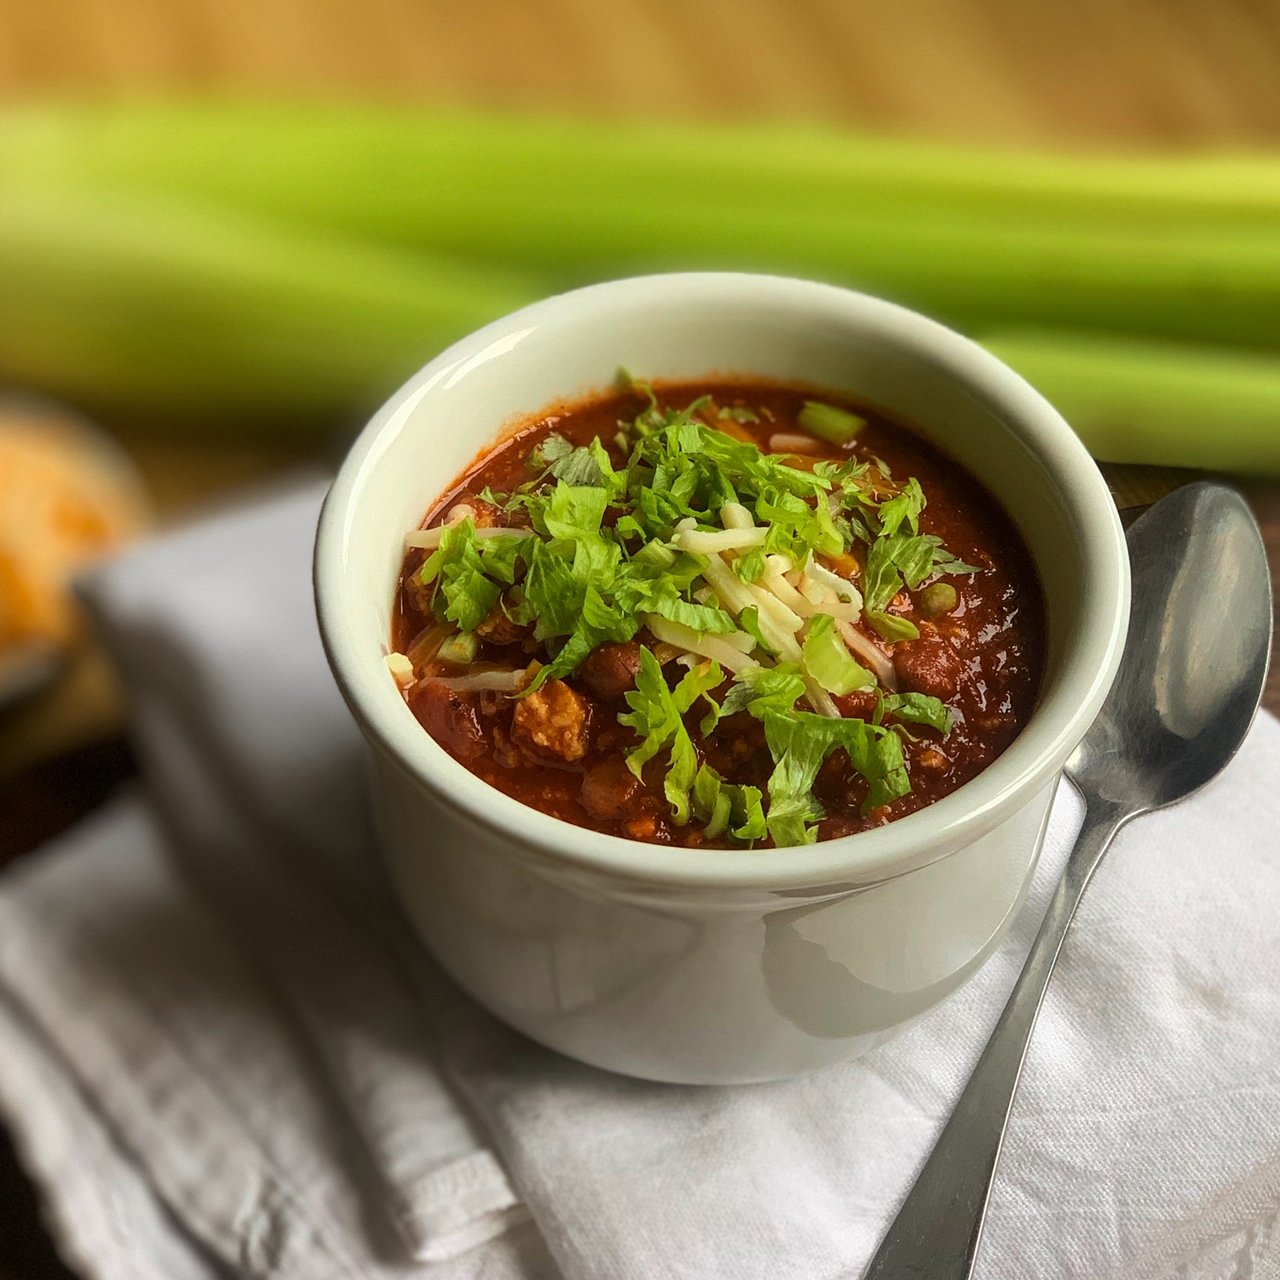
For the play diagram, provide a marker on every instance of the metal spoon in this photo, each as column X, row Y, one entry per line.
column 1193, row 670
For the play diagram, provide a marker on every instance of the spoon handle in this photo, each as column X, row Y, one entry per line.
column 935, row 1235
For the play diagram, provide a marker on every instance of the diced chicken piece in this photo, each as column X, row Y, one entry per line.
column 418, row 592
column 645, row 828
column 929, row 665
column 552, row 722
column 497, row 628
column 861, row 703
column 449, row 718
column 611, row 791
column 609, row 671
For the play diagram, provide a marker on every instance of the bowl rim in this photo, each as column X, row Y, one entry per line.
column 1030, row 762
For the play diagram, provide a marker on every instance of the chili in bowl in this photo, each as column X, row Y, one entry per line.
column 715, row 711
column 719, row 615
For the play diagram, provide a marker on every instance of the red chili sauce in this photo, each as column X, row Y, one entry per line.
column 566, row 754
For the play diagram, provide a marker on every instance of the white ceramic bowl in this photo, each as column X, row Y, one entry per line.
column 699, row 966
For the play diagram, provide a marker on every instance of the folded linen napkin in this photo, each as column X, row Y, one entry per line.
column 222, row 1053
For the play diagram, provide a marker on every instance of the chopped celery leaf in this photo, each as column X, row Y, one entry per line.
column 551, row 449
column 918, row 708
column 465, row 594
column 727, row 807
column 827, row 659
column 765, row 689
column 800, row 742
column 891, row 627
column 657, row 716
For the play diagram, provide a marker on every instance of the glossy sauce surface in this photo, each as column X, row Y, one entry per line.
column 983, row 658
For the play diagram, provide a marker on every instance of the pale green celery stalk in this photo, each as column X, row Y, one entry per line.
column 1151, row 402
column 390, row 158
column 158, row 309
column 1187, row 249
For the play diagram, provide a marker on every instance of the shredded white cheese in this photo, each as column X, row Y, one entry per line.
column 716, row 648
column 774, row 579
column 498, row 681
column 841, row 586
column 819, row 699
column 824, row 600
column 739, row 640
column 863, row 648
column 703, row 542
column 778, row 624
column 789, row 442
column 774, row 610
column 731, row 590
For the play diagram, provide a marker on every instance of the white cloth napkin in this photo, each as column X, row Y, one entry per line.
column 222, row 1054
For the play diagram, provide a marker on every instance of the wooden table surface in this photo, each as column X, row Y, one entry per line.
column 1169, row 73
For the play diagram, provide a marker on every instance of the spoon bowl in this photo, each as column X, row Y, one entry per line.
column 1195, row 658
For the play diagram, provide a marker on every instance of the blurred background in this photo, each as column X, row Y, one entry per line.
column 228, row 229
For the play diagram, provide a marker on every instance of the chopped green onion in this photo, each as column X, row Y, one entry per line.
column 829, row 423
column 460, row 649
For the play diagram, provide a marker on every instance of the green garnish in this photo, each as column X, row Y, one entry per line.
column 466, row 593
column 890, row 627
column 828, row 661
column 613, row 539
column 900, row 558
column 764, row 689
column 655, row 553
column 903, row 508
column 657, row 716
column 548, row 451
column 750, row 567
column 835, row 426
column 918, row 708
column 800, row 742
column 726, row 806
column 749, row 621
column 459, row 649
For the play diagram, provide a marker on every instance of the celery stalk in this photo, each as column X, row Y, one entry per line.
column 1183, row 248
column 272, row 155
column 293, row 263
column 156, row 309
column 1153, row 402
